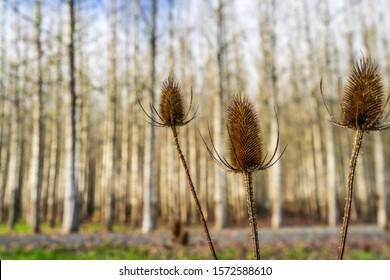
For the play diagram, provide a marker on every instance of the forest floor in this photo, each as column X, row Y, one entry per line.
column 309, row 242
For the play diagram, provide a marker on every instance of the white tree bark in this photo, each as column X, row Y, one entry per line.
column 380, row 181
column 70, row 214
column 331, row 176
column 219, row 176
column 275, row 184
column 39, row 145
column 148, row 223
column 268, row 43
column 361, row 194
column 3, row 54
column 135, row 178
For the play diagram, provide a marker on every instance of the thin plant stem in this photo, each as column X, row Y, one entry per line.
column 348, row 196
column 252, row 214
column 198, row 207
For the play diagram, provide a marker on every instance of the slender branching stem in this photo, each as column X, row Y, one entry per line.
column 348, row 196
column 198, row 207
column 250, row 203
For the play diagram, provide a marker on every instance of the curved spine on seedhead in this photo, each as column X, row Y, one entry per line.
column 362, row 102
column 244, row 145
column 171, row 109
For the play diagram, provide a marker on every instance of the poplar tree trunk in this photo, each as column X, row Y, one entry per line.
column 219, row 178
column 370, row 39
column 39, row 137
column 135, row 178
column 70, row 215
column 13, row 147
column 268, row 38
column 110, row 155
column 331, row 178
column 83, row 139
column 148, row 219
column 170, row 159
column 3, row 61
column 126, row 126
column 58, row 152
column 380, row 180
column 16, row 144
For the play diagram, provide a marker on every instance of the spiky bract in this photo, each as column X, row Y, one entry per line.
column 363, row 100
column 171, row 103
column 244, row 143
column 171, row 113
column 243, row 140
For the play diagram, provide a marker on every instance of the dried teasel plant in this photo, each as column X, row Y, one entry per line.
column 171, row 114
column 245, row 153
column 362, row 105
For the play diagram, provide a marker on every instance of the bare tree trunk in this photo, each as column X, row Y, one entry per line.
column 171, row 163
column 53, row 183
column 3, row 54
column 380, row 180
column 82, row 146
column 70, row 218
column 382, row 204
column 111, row 159
column 219, row 178
column 331, row 178
column 46, row 187
column 25, row 191
column 268, row 38
column 361, row 193
column 13, row 147
column 135, row 178
column 83, row 117
column 39, row 143
column 148, row 222
column 16, row 136
column 57, row 158
column 369, row 37
column 315, row 120
column 16, row 192
column 126, row 126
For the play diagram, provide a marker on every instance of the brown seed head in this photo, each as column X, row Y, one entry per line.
column 171, row 104
column 244, row 143
column 363, row 101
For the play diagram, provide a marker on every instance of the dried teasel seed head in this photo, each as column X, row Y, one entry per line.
column 171, row 104
column 363, row 100
column 244, row 142
column 171, row 113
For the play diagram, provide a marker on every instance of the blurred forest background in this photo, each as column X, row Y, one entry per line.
column 75, row 146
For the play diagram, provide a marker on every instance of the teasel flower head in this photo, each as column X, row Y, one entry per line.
column 363, row 102
column 171, row 108
column 244, row 144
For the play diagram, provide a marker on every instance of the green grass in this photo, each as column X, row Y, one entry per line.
column 363, row 255
column 105, row 252
column 22, row 228
column 109, row 252
column 100, row 253
column 299, row 251
column 95, row 228
column 19, row 228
